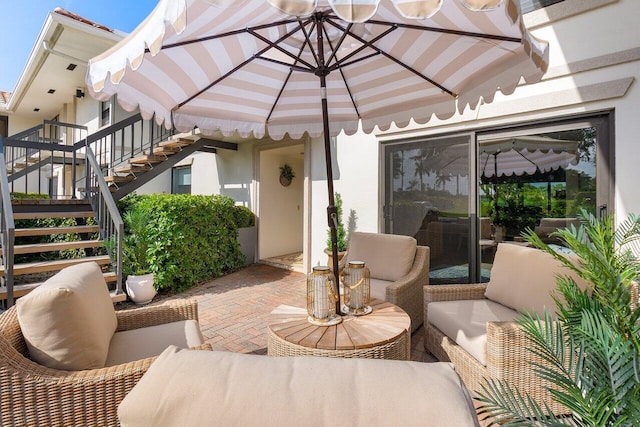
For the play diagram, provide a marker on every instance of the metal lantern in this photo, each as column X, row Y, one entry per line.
column 357, row 288
column 322, row 297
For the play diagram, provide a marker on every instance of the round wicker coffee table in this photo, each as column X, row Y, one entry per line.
column 382, row 334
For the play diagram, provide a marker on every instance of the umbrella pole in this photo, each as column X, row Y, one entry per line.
column 332, row 211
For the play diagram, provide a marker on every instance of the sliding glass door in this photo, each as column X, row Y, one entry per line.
column 541, row 178
column 427, row 189
column 462, row 195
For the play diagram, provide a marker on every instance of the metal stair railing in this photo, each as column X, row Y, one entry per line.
column 7, row 226
column 63, row 148
column 32, row 155
column 115, row 145
column 107, row 214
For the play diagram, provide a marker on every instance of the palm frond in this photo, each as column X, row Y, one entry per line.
column 591, row 352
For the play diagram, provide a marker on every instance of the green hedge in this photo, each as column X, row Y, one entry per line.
column 244, row 217
column 191, row 238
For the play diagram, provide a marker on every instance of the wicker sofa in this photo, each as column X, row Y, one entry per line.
column 399, row 269
column 473, row 325
column 205, row 388
column 34, row 394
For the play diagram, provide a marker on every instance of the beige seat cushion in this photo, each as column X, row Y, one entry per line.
column 465, row 322
column 388, row 257
column 68, row 321
column 202, row 388
column 524, row 279
column 138, row 344
column 379, row 288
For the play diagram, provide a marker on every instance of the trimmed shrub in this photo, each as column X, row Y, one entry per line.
column 244, row 217
column 191, row 238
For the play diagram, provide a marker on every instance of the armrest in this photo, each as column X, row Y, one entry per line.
column 419, row 273
column 170, row 311
column 434, row 293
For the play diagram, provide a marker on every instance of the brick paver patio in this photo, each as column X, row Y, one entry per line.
column 234, row 309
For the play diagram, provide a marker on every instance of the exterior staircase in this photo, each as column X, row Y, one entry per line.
column 134, row 167
column 28, row 275
column 100, row 168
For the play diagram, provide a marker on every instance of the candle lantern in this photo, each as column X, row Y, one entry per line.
column 357, row 288
column 322, row 297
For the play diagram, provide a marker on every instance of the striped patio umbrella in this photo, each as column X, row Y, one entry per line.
column 276, row 67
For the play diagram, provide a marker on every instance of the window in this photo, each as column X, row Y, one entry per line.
column 105, row 113
column 4, row 126
column 181, row 180
column 531, row 5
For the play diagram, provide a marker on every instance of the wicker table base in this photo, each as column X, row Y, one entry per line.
column 382, row 334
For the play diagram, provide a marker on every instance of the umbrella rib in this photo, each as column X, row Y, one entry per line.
column 344, row 79
column 285, row 64
column 227, row 34
column 236, row 68
column 361, row 48
column 449, row 31
column 397, row 61
column 279, row 48
column 307, row 39
column 355, row 61
column 286, row 80
column 334, row 51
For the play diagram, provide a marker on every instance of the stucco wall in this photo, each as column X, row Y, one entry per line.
column 355, row 174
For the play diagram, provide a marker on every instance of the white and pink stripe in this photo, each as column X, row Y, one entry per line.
column 383, row 91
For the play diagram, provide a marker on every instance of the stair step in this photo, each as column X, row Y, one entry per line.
column 40, row 215
column 118, row 179
column 166, row 150
column 57, row 265
column 76, row 229
column 131, row 169
column 21, row 290
column 20, row 165
column 177, row 143
column 56, row 246
column 143, row 160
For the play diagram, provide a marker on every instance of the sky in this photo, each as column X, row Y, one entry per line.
column 22, row 21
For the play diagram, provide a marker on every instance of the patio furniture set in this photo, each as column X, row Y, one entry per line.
column 68, row 358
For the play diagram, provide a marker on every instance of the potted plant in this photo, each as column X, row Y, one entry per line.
column 286, row 175
column 499, row 220
column 136, row 264
column 592, row 351
column 341, row 233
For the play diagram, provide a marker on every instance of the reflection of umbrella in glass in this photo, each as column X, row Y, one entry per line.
column 270, row 67
column 506, row 157
column 525, row 155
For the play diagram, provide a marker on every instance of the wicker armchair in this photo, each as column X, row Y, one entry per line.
column 32, row 394
column 507, row 357
column 405, row 291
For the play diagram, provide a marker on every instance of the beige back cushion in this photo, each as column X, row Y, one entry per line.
column 524, row 278
column 388, row 256
column 219, row 388
column 68, row 321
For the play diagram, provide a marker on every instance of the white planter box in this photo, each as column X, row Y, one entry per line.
column 247, row 238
